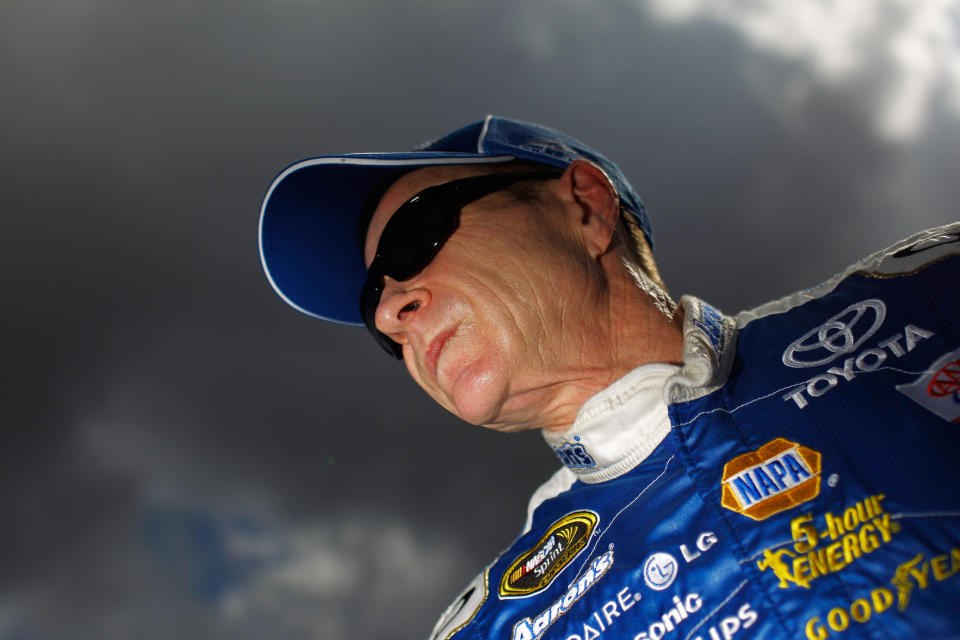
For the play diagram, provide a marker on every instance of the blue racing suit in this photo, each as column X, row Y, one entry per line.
column 796, row 477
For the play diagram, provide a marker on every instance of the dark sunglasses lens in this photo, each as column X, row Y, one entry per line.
column 413, row 237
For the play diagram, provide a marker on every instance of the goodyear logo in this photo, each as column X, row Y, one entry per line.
column 778, row 476
column 534, row 570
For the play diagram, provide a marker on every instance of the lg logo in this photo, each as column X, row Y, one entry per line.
column 659, row 571
column 840, row 335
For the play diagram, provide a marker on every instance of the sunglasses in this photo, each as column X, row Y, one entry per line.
column 418, row 230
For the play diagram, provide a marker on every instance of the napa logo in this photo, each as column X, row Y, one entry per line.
column 574, row 455
column 778, row 476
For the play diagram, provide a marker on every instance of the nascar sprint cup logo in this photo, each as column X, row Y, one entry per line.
column 534, row 570
column 778, row 476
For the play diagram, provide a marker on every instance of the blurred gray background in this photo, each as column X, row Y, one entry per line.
column 185, row 456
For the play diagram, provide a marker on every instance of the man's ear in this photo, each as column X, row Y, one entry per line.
column 599, row 205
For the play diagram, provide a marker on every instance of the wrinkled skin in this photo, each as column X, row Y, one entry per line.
column 510, row 326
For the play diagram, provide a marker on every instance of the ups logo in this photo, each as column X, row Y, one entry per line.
column 778, row 476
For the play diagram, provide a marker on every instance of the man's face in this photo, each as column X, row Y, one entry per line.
column 483, row 326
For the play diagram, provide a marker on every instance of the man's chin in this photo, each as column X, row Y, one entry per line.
column 476, row 413
column 482, row 399
column 477, row 399
column 491, row 415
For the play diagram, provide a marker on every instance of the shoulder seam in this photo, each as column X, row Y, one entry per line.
column 867, row 267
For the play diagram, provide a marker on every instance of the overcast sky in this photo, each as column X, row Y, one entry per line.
column 185, row 456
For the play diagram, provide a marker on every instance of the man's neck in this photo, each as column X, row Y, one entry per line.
column 629, row 330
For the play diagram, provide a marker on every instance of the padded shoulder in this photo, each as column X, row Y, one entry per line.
column 905, row 257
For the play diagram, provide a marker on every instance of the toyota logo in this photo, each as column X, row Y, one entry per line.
column 841, row 334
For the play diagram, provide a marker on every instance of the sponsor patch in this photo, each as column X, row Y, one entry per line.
column 534, row 628
column 710, row 322
column 841, row 334
column 534, row 570
column 920, row 572
column 671, row 619
column 659, row 571
column 938, row 390
column 831, row 543
column 575, row 455
column 839, row 619
column 730, row 625
column 778, row 476
column 865, row 361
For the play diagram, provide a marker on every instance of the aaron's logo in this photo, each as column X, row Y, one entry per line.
column 776, row 477
column 534, row 570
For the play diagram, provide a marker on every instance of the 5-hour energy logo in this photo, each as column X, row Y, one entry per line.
column 830, row 543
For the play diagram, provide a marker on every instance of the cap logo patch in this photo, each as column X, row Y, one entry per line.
column 778, row 476
column 534, row 570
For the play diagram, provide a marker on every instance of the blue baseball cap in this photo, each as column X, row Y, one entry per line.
column 309, row 235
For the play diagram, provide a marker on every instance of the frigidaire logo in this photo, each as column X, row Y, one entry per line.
column 534, row 570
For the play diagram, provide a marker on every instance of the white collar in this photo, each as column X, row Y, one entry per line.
column 620, row 426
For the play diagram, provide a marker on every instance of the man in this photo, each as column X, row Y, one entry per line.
column 790, row 472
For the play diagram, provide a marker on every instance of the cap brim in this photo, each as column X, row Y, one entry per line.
column 309, row 233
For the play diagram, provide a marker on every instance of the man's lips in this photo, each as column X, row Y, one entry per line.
column 436, row 347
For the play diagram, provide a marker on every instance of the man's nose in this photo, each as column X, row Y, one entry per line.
column 398, row 307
